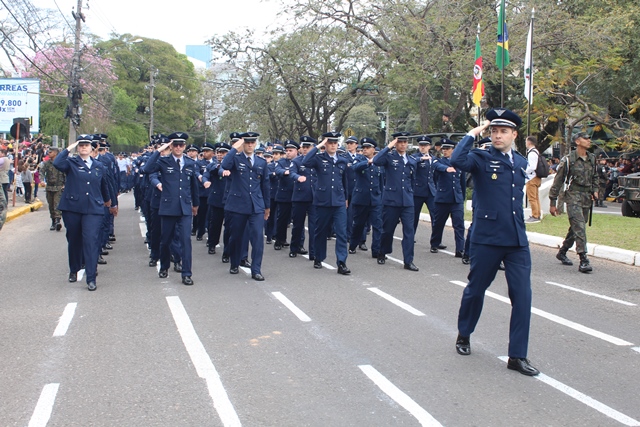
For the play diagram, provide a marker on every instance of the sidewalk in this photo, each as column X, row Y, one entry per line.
column 21, row 208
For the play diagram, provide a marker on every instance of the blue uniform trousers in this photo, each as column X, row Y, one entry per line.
column 417, row 204
column 242, row 226
column 390, row 216
column 443, row 210
column 216, row 218
column 367, row 214
column 171, row 225
column 282, row 221
column 484, row 266
column 467, row 241
column 155, row 233
column 105, row 228
column 270, row 224
column 200, row 220
column 350, row 216
column 325, row 218
column 226, row 237
column 300, row 210
column 83, row 242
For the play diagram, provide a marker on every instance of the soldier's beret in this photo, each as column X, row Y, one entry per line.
column 584, row 135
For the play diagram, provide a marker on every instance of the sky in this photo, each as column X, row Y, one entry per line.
column 181, row 22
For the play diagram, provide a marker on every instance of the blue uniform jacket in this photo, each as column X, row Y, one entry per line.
column 111, row 179
column 351, row 174
column 424, row 186
column 302, row 191
column 202, row 167
column 285, row 182
column 213, row 174
column 179, row 185
column 249, row 186
column 156, row 194
column 369, row 183
column 450, row 186
column 331, row 189
column 398, row 188
column 273, row 179
column 85, row 190
column 498, row 216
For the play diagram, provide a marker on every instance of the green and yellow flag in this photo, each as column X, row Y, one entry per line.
column 502, row 53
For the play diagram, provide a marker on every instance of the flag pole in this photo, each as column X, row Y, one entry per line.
column 502, row 56
column 533, row 13
column 479, row 106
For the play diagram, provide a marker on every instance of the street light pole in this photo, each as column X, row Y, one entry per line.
column 75, row 91
column 152, row 85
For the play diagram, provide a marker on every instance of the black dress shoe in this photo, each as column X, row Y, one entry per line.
column 177, row 267
column 342, row 269
column 381, row 259
column 523, row 366
column 163, row 274
column 211, row 251
column 199, row 238
column 257, row 277
column 292, row 254
column 463, row 345
column 234, row 270
column 363, row 247
column 441, row 246
column 108, row 246
column 433, row 250
column 225, row 259
column 187, row 280
column 303, row 251
column 465, row 259
column 411, row 267
column 501, row 266
column 317, row 264
column 352, row 251
column 193, row 233
column 104, row 252
column 73, row 277
column 285, row 244
column 268, row 241
column 58, row 226
column 458, row 254
column 91, row 286
column 277, row 246
column 245, row 263
column 112, row 238
column 101, row 260
column 153, row 262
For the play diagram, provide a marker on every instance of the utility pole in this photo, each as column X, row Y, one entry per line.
column 74, row 93
column 152, row 85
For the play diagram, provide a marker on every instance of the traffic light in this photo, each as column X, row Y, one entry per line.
column 382, row 124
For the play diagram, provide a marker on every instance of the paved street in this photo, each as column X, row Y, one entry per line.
column 306, row 347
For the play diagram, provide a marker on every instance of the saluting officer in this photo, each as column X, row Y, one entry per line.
column 330, row 199
column 285, row 192
column 85, row 195
column 248, row 202
column 302, row 202
column 270, row 224
column 178, row 203
column 397, row 197
column 216, row 183
column 499, row 233
column 424, row 191
column 351, row 154
column 200, row 219
column 366, row 201
column 449, row 201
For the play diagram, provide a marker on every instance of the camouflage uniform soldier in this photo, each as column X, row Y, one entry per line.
column 603, row 178
column 55, row 183
column 3, row 209
column 578, row 171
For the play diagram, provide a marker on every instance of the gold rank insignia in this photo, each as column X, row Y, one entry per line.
column 494, row 176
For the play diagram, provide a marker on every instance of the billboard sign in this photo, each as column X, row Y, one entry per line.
column 19, row 98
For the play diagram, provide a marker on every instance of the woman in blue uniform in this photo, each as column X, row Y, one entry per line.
column 85, row 195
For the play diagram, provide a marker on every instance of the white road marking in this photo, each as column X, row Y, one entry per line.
column 390, row 258
column 141, row 218
column 583, row 398
column 397, row 238
column 202, row 363
column 423, row 417
column 636, row 349
column 558, row 319
column 246, row 270
column 447, row 252
column 80, row 275
column 591, row 294
column 143, row 229
column 65, row 319
column 44, row 407
column 324, row 264
column 291, row 306
column 396, row 301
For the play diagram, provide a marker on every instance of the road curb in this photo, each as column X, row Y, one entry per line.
column 15, row 213
column 599, row 251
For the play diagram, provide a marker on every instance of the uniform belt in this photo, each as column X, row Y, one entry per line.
column 578, row 187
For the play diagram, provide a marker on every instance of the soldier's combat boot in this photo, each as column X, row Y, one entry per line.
column 584, row 264
column 562, row 256
column 53, row 224
column 58, row 225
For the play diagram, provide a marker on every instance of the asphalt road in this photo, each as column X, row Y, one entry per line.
column 305, row 347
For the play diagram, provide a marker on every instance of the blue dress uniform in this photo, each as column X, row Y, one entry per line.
column 367, row 200
column 179, row 194
column 352, row 158
column 397, row 201
column 246, row 204
column 103, row 157
column 284, row 195
column 330, row 199
column 270, row 223
column 82, row 204
column 302, row 204
column 424, row 191
column 498, row 234
column 202, row 215
column 213, row 174
column 450, row 193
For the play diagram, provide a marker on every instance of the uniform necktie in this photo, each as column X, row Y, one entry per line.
column 178, row 163
column 249, row 159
